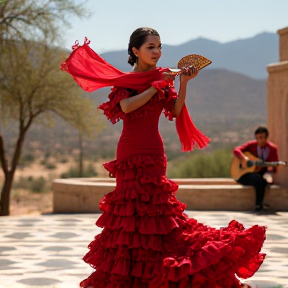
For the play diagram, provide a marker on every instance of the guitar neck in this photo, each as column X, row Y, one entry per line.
column 237, row 171
column 265, row 164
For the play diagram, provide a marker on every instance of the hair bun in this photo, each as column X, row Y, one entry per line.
column 130, row 60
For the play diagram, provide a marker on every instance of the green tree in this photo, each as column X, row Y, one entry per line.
column 32, row 87
column 31, row 19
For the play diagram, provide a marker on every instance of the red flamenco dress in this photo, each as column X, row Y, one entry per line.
column 147, row 241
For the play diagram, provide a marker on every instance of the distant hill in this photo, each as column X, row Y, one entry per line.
column 221, row 93
column 246, row 56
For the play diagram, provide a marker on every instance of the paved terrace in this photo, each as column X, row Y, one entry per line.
column 45, row 251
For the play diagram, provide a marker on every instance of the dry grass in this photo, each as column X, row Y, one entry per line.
column 25, row 202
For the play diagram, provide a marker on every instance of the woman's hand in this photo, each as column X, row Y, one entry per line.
column 169, row 77
column 188, row 74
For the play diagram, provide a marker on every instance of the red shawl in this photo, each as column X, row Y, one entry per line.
column 92, row 72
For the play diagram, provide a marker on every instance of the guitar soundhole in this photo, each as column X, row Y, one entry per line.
column 249, row 163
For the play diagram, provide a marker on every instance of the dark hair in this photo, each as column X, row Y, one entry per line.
column 262, row 129
column 137, row 39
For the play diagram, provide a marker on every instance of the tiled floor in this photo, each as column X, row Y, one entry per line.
column 45, row 251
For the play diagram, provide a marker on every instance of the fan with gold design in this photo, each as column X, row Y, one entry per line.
column 195, row 60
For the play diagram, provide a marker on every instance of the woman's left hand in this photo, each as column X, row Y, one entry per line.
column 188, row 74
column 168, row 77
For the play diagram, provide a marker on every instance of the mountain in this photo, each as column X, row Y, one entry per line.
column 221, row 93
column 249, row 56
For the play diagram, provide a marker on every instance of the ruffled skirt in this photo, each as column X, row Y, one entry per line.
column 147, row 241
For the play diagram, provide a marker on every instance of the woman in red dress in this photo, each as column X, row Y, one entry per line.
column 147, row 241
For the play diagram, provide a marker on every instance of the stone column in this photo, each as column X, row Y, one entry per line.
column 278, row 105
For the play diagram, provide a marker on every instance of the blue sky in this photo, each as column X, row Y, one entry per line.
column 113, row 21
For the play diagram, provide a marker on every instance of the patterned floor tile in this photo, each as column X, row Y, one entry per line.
column 46, row 251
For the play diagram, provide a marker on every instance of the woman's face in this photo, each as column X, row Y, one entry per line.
column 150, row 52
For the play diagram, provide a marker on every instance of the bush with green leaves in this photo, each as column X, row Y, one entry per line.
column 36, row 185
column 200, row 164
column 50, row 166
column 73, row 172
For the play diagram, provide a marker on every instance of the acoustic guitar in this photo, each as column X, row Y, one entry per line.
column 254, row 165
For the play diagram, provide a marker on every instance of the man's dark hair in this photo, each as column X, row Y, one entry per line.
column 262, row 129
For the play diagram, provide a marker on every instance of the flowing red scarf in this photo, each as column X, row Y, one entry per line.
column 92, row 72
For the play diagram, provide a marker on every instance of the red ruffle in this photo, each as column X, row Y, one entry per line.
column 114, row 113
column 112, row 108
column 136, row 161
column 148, row 241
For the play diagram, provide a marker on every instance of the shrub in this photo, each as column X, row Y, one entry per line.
column 73, row 172
column 26, row 160
column 202, row 165
column 50, row 166
column 64, row 160
column 36, row 185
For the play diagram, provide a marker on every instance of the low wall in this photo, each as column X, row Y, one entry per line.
column 82, row 195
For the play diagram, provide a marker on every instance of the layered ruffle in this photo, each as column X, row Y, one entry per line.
column 213, row 257
column 114, row 113
column 112, row 109
column 147, row 241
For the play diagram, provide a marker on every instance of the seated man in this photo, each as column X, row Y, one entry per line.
column 264, row 150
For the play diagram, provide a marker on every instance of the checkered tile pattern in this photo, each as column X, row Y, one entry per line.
column 45, row 251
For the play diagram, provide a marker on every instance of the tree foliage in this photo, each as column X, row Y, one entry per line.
column 32, row 86
column 31, row 83
column 34, row 19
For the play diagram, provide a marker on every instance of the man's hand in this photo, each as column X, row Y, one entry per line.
column 244, row 161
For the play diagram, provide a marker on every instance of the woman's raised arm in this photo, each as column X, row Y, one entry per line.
column 132, row 103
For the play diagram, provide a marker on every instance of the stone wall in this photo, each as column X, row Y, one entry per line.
column 83, row 195
column 283, row 47
column 277, row 103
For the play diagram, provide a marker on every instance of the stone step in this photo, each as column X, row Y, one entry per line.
column 82, row 195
